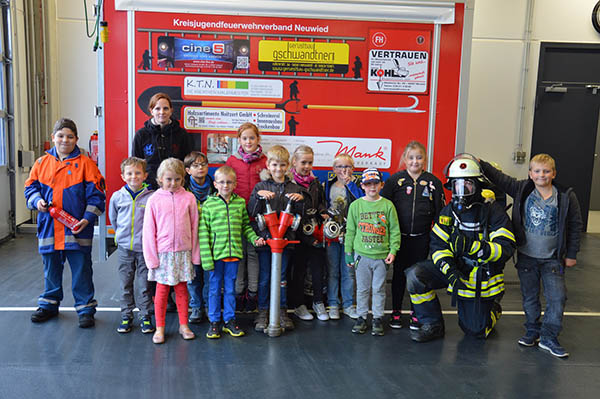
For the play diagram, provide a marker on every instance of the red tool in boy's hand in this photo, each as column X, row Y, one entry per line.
column 62, row 216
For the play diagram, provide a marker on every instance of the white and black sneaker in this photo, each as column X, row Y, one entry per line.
column 320, row 311
column 302, row 313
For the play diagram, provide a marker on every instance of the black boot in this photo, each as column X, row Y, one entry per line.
column 41, row 315
column 427, row 332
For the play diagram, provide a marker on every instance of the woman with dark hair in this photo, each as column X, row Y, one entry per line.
column 161, row 137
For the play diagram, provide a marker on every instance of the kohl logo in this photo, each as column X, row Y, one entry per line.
column 354, row 152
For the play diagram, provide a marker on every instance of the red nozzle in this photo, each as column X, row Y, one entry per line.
column 285, row 220
column 272, row 222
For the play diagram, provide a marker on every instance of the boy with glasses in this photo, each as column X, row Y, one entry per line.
column 340, row 192
column 224, row 220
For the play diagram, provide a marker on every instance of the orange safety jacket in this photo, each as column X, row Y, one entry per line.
column 73, row 184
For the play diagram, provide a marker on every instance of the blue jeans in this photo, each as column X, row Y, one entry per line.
column 336, row 263
column 81, row 276
column 198, row 288
column 224, row 274
column 552, row 275
column 264, row 278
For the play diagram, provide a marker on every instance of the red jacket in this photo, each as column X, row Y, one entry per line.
column 247, row 174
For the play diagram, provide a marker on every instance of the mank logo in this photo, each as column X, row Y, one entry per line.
column 355, row 152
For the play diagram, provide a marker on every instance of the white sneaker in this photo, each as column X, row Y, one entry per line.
column 350, row 311
column 302, row 313
column 319, row 309
column 334, row 312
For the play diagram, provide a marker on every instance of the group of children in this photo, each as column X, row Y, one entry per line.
column 180, row 230
column 200, row 235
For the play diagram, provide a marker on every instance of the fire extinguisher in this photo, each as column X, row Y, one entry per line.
column 94, row 146
column 62, row 216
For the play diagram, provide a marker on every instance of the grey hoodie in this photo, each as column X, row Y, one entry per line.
column 127, row 217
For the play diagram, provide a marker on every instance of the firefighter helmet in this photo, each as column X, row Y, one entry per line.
column 465, row 180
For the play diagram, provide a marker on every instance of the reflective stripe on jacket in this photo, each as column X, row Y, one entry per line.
column 73, row 184
column 484, row 263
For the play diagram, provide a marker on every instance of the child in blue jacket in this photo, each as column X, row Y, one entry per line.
column 340, row 192
column 66, row 179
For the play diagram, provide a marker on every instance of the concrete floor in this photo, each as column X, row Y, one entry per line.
column 56, row 359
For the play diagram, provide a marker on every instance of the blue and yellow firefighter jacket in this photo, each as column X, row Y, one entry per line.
column 481, row 269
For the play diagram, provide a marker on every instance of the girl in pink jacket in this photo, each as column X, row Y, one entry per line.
column 170, row 244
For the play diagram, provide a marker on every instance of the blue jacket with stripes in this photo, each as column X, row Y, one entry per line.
column 482, row 264
column 73, row 184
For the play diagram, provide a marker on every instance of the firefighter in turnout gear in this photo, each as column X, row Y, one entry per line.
column 470, row 242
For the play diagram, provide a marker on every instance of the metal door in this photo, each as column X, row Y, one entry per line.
column 566, row 114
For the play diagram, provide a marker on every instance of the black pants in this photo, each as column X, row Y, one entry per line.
column 477, row 317
column 412, row 250
column 315, row 259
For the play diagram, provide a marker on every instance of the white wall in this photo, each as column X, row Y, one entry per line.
column 73, row 66
column 497, row 64
column 72, row 78
column 72, row 81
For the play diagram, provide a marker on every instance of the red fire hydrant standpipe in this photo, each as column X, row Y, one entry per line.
column 277, row 227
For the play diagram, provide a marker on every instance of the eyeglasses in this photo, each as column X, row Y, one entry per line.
column 343, row 167
column 199, row 164
column 225, row 183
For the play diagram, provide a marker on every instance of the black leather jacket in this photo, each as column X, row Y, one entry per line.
column 257, row 205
